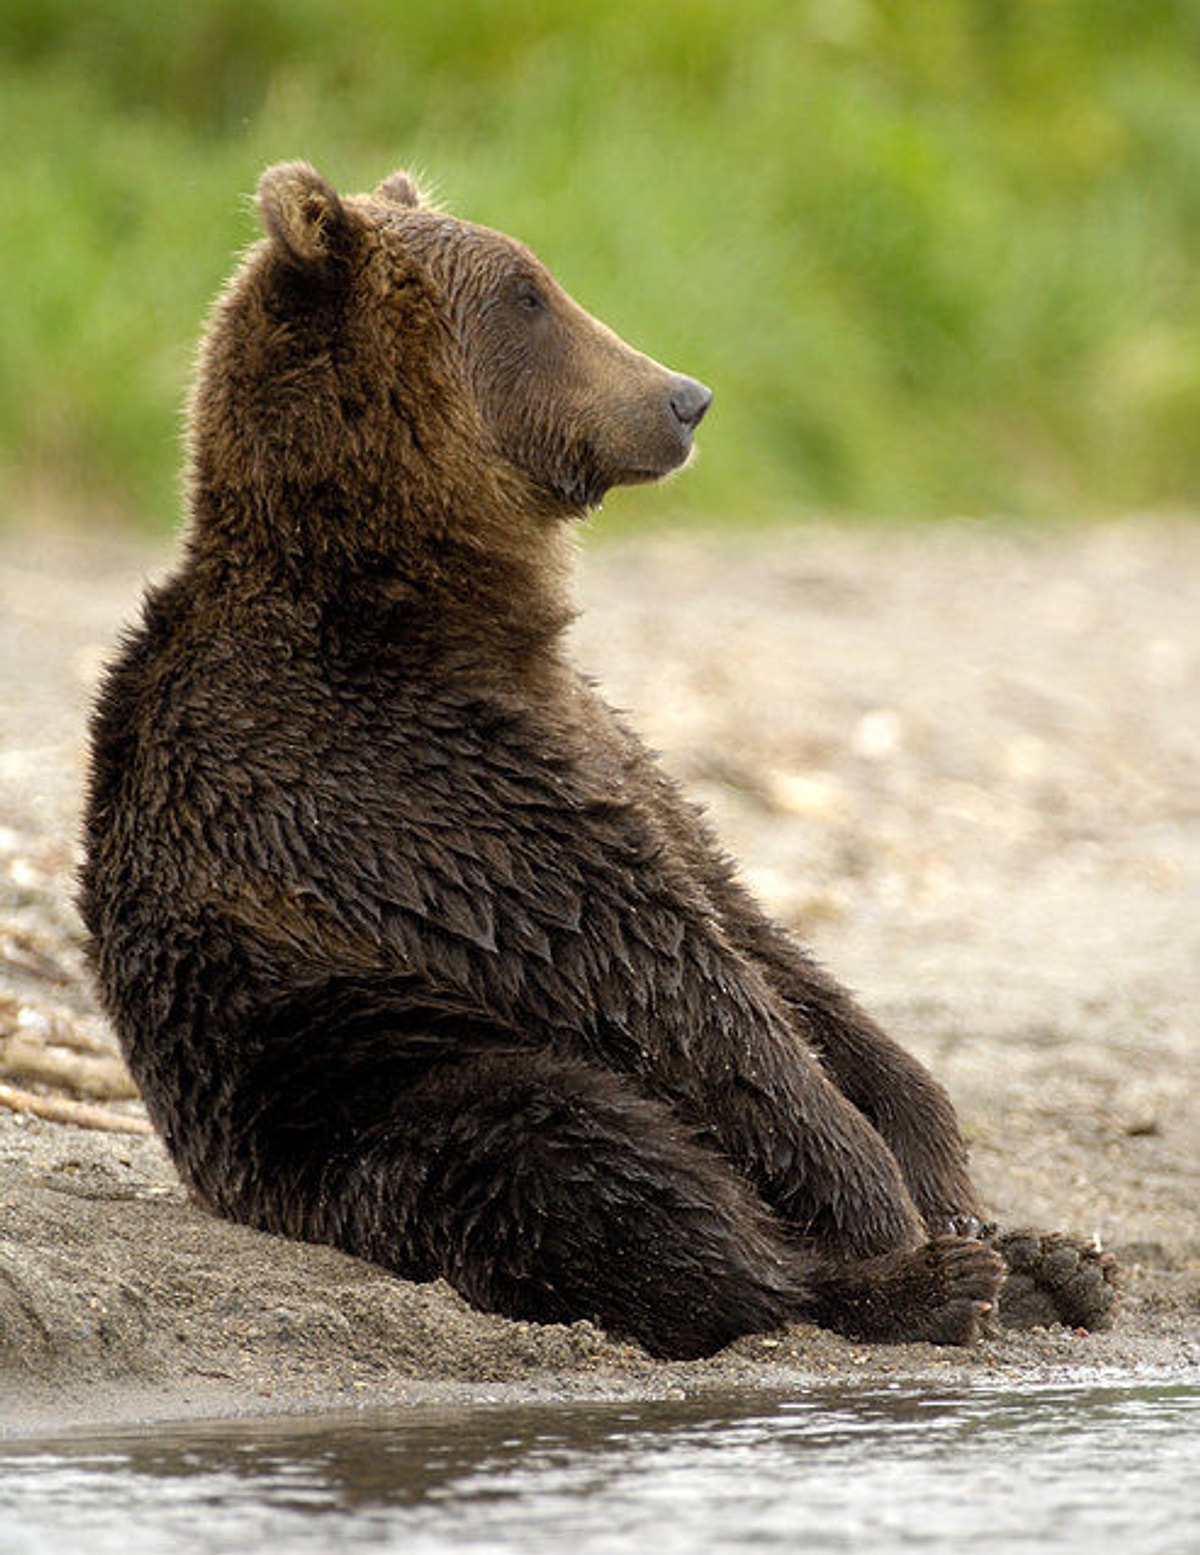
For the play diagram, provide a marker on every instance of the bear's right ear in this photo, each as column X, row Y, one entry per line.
column 400, row 188
column 303, row 215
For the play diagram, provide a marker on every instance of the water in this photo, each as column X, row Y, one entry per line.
column 1046, row 1469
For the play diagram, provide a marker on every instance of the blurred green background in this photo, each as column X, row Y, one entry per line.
column 934, row 258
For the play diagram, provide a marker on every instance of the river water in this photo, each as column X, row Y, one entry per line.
column 1110, row 1465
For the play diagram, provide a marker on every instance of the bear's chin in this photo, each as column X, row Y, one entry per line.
column 585, row 490
column 639, row 476
column 584, row 496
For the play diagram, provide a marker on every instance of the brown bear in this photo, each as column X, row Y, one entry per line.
column 411, row 945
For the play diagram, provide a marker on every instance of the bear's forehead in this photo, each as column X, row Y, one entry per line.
column 433, row 233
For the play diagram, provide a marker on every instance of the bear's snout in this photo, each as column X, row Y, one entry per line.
column 689, row 400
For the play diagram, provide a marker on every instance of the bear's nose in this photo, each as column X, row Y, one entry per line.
column 689, row 401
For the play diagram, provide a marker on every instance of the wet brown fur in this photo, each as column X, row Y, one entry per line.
column 411, row 945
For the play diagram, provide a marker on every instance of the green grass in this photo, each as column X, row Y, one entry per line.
column 933, row 259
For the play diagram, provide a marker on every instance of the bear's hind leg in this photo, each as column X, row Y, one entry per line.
column 548, row 1190
column 552, row 1191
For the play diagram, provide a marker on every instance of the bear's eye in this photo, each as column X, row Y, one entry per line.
column 528, row 298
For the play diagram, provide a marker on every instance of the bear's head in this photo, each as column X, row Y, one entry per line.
column 380, row 377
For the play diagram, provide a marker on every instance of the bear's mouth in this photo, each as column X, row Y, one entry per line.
column 643, row 475
column 674, row 460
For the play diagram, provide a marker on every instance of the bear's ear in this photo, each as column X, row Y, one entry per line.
column 399, row 188
column 303, row 215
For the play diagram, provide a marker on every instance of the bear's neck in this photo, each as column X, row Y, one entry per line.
column 491, row 585
column 482, row 596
